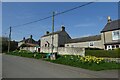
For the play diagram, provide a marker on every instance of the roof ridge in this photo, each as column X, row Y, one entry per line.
column 87, row 36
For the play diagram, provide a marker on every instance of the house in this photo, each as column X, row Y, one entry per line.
column 111, row 34
column 86, row 42
column 59, row 38
column 108, row 39
column 29, row 44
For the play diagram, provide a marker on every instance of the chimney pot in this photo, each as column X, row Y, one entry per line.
column 31, row 36
column 62, row 28
column 23, row 38
column 47, row 32
column 109, row 19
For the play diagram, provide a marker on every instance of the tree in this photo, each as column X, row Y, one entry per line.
column 4, row 44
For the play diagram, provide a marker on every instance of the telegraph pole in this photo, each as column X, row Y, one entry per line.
column 9, row 40
column 52, row 32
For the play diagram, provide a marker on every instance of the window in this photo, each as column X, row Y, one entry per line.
column 116, row 35
column 113, row 46
column 91, row 44
column 45, row 45
column 62, row 46
column 67, row 45
column 117, row 46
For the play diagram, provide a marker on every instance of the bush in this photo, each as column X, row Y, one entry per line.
column 24, row 53
column 104, row 53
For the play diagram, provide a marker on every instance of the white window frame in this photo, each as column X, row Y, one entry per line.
column 91, row 43
column 116, row 35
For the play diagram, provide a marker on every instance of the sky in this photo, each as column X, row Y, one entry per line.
column 0, row 19
column 85, row 21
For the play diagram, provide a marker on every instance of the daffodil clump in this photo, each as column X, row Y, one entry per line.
column 91, row 59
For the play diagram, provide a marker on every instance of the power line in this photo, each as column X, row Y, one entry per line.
column 32, row 22
column 54, row 15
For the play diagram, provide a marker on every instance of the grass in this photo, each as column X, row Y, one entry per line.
column 69, row 60
column 77, row 63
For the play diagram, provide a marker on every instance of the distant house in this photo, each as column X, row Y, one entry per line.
column 60, row 38
column 111, row 34
column 29, row 44
column 86, row 42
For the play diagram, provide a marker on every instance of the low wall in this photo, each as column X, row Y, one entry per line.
column 64, row 50
column 32, row 49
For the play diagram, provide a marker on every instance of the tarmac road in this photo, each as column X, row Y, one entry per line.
column 20, row 67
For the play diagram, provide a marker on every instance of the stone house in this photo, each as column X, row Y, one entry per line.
column 110, row 35
column 86, row 42
column 59, row 38
column 29, row 44
column 108, row 39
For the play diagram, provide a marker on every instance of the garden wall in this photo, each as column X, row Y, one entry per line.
column 64, row 50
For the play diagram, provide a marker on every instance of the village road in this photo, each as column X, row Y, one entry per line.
column 20, row 67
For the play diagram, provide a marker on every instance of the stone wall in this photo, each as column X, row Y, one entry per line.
column 32, row 49
column 65, row 50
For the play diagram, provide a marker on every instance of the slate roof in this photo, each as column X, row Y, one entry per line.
column 29, row 45
column 85, row 39
column 57, row 32
column 29, row 40
column 114, row 25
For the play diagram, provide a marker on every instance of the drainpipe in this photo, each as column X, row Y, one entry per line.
column 104, row 37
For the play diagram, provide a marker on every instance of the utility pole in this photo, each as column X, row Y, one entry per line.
column 9, row 40
column 52, row 32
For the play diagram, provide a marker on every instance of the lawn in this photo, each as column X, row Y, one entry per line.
column 88, row 62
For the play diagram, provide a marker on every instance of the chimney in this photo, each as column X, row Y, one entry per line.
column 31, row 36
column 47, row 32
column 62, row 28
column 109, row 19
column 23, row 38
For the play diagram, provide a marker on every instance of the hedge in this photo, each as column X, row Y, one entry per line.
column 104, row 53
column 24, row 53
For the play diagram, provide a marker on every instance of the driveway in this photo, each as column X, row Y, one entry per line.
column 20, row 67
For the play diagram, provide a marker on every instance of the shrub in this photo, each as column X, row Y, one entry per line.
column 103, row 53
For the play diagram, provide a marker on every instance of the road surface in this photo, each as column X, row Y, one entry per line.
column 20, row 67
column 0, row 65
